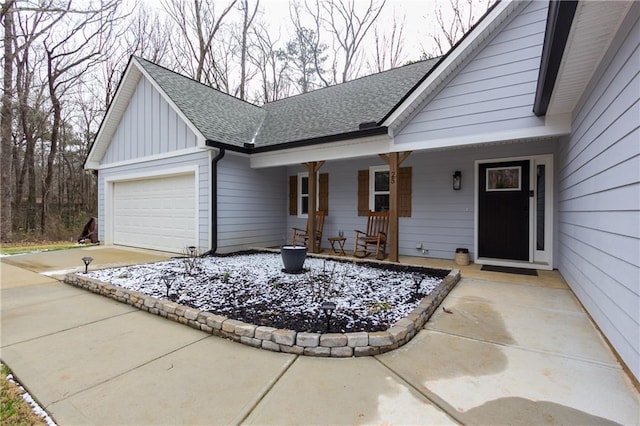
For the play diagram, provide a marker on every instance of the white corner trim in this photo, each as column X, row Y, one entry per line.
column 351, row 148
column 170, row 154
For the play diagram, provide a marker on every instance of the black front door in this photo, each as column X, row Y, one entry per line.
column 503, row 210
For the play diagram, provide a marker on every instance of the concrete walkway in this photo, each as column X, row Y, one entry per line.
column 516, row 349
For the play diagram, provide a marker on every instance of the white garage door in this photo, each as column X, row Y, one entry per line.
column 158, row 213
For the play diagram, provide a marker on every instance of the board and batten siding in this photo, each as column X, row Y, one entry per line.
column 149, row 126
column 441, row 219
column 599, row 197
column 251, row 205
column 494, row 92
column 155, row 169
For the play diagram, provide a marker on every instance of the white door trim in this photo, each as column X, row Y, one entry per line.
column 535, row 258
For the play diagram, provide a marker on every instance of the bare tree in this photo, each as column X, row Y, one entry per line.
column 453, row 22
column 198, row 24
column 71, row 52
column 248, row 15
column 271, row 63
column 146, row 34
column 305, row 53
column 388, row 46
column 7, row 121
column 348, row 25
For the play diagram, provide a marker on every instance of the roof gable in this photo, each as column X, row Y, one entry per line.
column 495, row 18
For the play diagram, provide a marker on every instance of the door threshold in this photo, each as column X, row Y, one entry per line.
column 513, row 263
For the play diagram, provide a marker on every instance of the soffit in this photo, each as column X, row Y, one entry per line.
column 594, row 26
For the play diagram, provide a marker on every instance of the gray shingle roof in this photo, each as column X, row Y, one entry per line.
column 218, row 116
column 324, row 112
column 340, row 108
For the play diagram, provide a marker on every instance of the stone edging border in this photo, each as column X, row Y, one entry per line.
column 337, row 345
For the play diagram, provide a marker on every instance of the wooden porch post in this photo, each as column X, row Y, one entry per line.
column 312, row 169
column 394, row 160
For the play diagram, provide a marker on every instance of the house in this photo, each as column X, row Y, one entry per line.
column 535, row 111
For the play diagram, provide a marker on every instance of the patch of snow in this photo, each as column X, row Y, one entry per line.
column 253, row 288
column 35, row 407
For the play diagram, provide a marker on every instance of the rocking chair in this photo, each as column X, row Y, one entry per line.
column 374, row 240
column 301, row 236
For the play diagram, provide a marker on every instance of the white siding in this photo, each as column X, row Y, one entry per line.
column 599, row 198
column 442, row 219
column 251, row 205
column 494, row 92
column 148, row 127
column 201, row 160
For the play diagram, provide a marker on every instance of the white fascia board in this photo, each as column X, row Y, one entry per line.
column 114, row 113
column 148, row 158
column 194, row 129
column 555, row 126
column 450, row 63
column 361, row 147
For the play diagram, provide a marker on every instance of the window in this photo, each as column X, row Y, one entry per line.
column 303, row 194
column 379, row 188
column 374, row 186
column 299, row 194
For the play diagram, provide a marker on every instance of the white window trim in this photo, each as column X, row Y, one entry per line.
column 372, row 185
column 301, row 175
column 299, row 194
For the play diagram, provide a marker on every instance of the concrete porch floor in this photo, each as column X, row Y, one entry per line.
column 515, row 350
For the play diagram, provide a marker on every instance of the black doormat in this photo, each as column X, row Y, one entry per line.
column 509, row 270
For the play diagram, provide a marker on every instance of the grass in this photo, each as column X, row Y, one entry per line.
column 27, row 247
column 13, row 409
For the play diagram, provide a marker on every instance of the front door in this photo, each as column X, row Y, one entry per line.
column 503, row 210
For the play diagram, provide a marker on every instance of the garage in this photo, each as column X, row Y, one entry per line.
column 157, row 213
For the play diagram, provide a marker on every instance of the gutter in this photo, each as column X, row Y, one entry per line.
column 214, row 196
column 559, row 21
column 366, row 129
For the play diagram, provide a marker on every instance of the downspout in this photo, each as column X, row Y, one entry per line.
column 214, row 198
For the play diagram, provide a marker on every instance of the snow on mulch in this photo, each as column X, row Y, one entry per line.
column 253, row 288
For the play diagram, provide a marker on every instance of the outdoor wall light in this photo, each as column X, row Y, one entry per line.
column 328, row 308
column 87, row 260
column 457, row 180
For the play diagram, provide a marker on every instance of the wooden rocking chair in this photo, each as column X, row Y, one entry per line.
column 375, row 237
column 301, row 236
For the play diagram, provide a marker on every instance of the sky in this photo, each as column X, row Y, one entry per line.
column 418, row 15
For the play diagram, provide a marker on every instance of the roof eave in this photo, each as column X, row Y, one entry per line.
column 559, row 20
column 97, row 144
column 250, row 149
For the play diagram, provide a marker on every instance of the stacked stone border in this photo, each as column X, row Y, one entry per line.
column 337, row 345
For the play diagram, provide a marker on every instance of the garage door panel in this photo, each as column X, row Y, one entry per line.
column 158, row 213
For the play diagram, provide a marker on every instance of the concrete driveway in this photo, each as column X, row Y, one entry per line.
column 518, row 351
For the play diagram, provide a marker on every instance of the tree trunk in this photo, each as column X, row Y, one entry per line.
column 5, row 131
column 55, row 135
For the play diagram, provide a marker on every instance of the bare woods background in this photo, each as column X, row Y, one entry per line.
column 62, row 60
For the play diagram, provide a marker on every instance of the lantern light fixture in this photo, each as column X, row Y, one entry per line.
column 328, row 308
column 457, row 180
column 86, row 260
